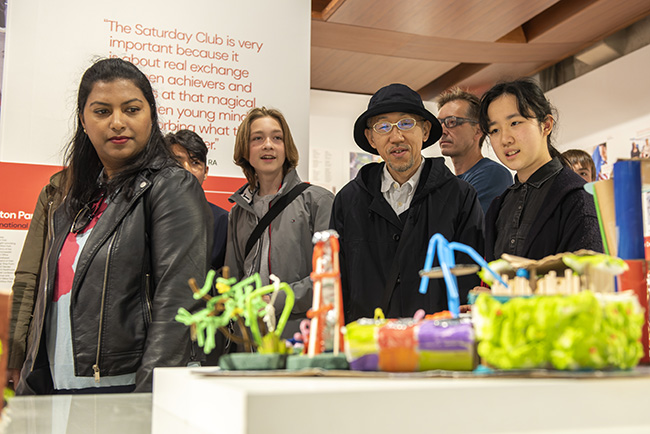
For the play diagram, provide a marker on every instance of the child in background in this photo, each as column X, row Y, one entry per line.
column 268, row 156
column 581, row 163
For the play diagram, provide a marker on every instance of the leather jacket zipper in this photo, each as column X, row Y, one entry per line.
column 101, row 309
column 147, row 297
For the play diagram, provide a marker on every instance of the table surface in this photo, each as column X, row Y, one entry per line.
column 614, row 403
column 185, row 396
column 78, row 414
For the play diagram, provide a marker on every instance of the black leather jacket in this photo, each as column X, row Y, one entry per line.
column 130, row 280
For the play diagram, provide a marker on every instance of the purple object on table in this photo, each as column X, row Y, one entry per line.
column 369, row 362
column 451, row 337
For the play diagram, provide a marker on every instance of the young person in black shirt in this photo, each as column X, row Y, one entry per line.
column 546, row 211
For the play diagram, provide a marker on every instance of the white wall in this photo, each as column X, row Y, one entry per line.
column 50, row 44
column 610, row 104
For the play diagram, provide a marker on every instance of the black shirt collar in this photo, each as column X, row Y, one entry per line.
column 542, row 175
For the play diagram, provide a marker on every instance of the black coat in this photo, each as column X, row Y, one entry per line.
column 370, row 232
column 130, row 280
column 220, row 217
column 567, row 221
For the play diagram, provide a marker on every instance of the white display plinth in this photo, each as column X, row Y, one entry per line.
column 184, row 401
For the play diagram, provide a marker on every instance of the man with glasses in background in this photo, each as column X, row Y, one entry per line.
column 387, row 214
column 462, row 140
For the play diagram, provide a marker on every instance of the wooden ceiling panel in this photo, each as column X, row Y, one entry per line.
column 475, row 20
column 361, row 45
column 553, row 16
column 365, row 73
column 597, row 21
column 450, row 79
column 491, row 74
column 397, row 44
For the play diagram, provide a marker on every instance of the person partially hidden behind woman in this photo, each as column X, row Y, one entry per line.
column 265, row 150
column 133, row 228
column 191, row 152
column 546, row 211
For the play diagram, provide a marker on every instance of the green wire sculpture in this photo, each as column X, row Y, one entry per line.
column 241, row 302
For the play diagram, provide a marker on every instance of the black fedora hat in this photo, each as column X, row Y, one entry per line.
column 395, row 98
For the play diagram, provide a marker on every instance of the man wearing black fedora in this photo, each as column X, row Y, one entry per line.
column 387, row 214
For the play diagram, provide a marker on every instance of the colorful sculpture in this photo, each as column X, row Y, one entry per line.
column 448, row 268
column 241, row 303
column 325, row 331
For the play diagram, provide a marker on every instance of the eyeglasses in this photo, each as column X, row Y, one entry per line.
column 385, row 127
column 454, row 121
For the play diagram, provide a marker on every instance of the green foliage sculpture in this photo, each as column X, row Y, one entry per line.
column 580, row 331
column 242, row 303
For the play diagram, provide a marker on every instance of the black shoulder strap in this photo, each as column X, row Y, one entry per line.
column 273, row 213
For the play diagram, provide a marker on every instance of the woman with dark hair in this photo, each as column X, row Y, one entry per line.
column 266, row 152
column 132, row 229
column 546, row 211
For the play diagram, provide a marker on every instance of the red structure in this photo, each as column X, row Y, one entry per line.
column 326, row 313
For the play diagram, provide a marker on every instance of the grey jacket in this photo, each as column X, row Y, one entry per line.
column 290, row 246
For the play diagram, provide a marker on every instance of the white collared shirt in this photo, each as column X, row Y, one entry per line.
column 399, row 197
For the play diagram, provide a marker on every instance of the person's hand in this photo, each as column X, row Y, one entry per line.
column 480, row 289
column 13, row 375
column 465, row 308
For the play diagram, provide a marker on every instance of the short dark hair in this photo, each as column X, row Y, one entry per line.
column 192, row 142
column 473, row 104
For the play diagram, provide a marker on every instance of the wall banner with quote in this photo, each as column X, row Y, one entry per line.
column 209, row 61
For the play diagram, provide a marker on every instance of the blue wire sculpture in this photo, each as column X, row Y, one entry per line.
column 449, row 269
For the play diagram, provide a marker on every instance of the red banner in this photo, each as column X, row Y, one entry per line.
column 219, row 188
column 21, row 184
